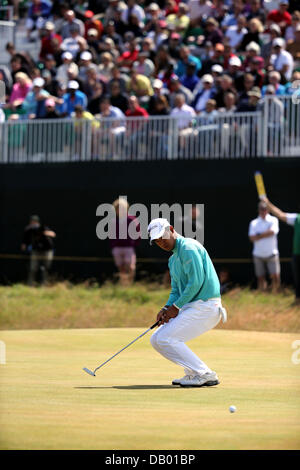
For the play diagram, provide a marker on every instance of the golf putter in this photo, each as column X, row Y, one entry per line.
column 88, row 371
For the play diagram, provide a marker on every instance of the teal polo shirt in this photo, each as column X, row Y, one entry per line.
column 193, row 276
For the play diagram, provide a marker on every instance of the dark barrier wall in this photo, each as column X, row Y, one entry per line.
column 66, row 197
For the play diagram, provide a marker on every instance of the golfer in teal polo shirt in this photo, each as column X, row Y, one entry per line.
column 193, row 307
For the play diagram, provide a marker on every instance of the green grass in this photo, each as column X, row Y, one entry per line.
column 48, row 402
column 64, row 305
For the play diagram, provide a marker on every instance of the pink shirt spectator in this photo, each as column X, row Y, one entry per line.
column 20, row 88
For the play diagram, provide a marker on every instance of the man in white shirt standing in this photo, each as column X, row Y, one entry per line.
column 184, row 115
column 282, row 60
column 263, row 234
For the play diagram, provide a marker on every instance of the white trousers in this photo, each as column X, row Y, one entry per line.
column 193, row 319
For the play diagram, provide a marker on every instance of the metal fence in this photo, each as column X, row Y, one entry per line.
column 274, row 130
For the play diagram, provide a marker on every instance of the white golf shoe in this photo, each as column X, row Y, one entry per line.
column 186, row 377
column 205, row 380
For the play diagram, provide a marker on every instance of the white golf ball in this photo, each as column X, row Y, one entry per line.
column 232, row 409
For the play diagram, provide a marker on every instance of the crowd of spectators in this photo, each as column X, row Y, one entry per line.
column 137, row 58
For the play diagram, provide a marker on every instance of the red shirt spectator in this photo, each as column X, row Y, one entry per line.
column 135, row 109
column 91, row 23
column 46, row 42
column 281, row 16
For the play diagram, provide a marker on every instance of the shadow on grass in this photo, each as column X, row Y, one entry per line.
column 140, row 387
column 135, row 387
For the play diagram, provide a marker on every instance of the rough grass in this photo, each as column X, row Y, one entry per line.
column 64, row 305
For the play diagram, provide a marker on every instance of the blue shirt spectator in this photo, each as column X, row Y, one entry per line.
column 72, row 98
column 185, row 59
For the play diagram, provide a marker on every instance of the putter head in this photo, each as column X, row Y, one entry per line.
column 88, row 371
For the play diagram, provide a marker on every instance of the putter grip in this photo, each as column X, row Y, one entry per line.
column 153, row 326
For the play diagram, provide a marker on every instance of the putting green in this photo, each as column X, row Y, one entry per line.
column 48, row 402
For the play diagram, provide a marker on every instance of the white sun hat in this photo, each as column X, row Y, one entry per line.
column 157, row 228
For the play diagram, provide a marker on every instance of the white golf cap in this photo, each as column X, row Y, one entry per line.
column 157, row 228
column 235, row 61
column 38, row 81
column 86, row 55
column 278, row 42
column 157, row 83
column 67, row 55
column 207, row 78
column 73, row 85
column 217, row 68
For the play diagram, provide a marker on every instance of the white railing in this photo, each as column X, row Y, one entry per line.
column 274, row 131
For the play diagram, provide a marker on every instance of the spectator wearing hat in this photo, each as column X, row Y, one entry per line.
column 74, row 97
column 252, row 50
column 92, row 23
column 47, row 40
column 253, row 103
column 263, row 233
column 280, row 16
column 281, row 60
column 206, row 93
column 51, row 112
column 94, row 44
column 68, row 63
column 158, row 91
column 236, row 33
column 34, row 102
column 274, row 79
column 71, row 24
column 235, row 71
